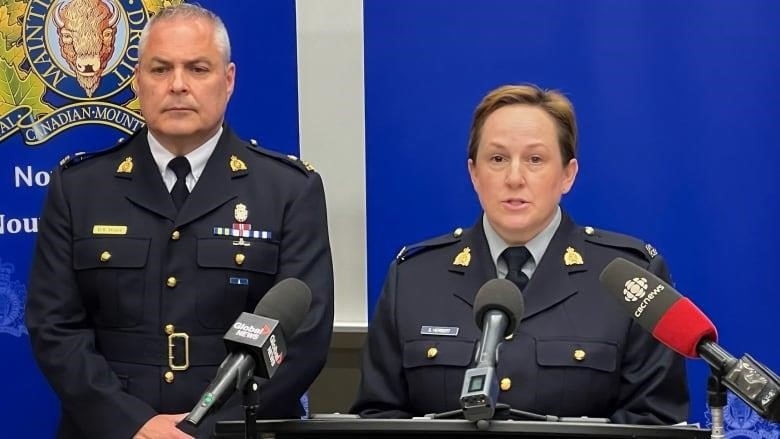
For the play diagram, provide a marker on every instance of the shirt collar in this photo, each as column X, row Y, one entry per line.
column 537, row 245
column 197, row 157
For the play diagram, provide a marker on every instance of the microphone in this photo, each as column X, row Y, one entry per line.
column 256, row 343
column 680, row 325
column 498, row 308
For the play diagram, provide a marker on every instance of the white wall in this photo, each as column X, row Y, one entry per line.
column 332, row 138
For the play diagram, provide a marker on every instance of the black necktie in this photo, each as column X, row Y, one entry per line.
column 515, row 258
column 181, row 167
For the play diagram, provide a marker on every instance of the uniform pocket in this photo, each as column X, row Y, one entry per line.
column 231, row 272
column 434, row 372
column 573, row 370
column 110, row 274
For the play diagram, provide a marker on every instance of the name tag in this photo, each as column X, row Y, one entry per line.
column 99, row 229
column 449, row 331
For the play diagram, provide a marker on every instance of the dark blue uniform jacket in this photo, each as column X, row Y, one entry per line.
column 117, row 270
column 576, row 352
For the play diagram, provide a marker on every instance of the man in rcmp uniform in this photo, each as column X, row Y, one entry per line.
column 149, row 251
column 575, row 352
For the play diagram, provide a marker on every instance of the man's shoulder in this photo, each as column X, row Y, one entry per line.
column 430, row 246
column 75, row 161
column 613, row 241
column 286, row 161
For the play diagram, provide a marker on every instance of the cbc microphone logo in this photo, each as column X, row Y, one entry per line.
column 635, row 289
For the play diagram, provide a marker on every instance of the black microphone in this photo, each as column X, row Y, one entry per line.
column 256, row 343
column 498, row 308
column 680, row 325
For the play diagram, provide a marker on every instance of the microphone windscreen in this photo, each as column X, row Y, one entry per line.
column 288, row 302
column 672, row 319
column 502, row 295
column 683, row 327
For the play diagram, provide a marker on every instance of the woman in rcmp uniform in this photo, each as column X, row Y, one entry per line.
column 575, row 352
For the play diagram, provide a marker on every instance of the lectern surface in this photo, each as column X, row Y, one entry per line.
column 426, row 428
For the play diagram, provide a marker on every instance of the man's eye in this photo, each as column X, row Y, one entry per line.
column 159, row 69
column 536, row 159
column 497, row 158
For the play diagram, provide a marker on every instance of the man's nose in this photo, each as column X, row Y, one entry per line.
column 178, row 81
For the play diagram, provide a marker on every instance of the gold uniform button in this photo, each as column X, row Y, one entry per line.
column 171, row 282
column 105, row 256
column 432, row 353
column 168, row 377
column 506, row 384
column 240, row 258
column 175, row 235
column 169, row 329
column 579, row 354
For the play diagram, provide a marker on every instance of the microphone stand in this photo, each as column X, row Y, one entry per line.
column 503, row 411
column 250, row 401
column 716, row 399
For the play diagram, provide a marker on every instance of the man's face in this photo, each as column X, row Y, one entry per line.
column 518, row 172
column 183, row 83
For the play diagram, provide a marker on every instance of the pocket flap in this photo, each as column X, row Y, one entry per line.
column 599, row 355
column 260, row 256
column 431, row 352
column 110, row 253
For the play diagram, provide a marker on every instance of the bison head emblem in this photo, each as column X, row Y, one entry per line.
column 86, row 31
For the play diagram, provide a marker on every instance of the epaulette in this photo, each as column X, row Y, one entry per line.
column 439, row 241
column 291, row 160
column 619, row 240
column 74, row 159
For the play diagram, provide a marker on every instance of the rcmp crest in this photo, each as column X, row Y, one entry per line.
column 69, row 62
column 12, row 297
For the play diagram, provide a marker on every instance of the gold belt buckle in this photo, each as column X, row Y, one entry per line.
column 171, row 339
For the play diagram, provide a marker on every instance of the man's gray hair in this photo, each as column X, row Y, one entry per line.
column 188, row 10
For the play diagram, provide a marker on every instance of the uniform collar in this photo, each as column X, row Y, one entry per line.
column 197, row 158
column 537, row 246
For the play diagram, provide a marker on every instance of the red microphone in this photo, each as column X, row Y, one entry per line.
column 680, row 325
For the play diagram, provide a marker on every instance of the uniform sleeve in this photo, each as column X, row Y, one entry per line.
column 383, row 390
column 654, row 388
column 304, row 254
column 63, row 341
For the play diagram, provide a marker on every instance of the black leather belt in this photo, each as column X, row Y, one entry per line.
column 178, row 351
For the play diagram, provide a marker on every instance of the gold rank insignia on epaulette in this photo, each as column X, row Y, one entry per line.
column 651, row 250
column 305, row 164
column 236, row 164
column 572, row 257
column 126, row 167
column 463, row 258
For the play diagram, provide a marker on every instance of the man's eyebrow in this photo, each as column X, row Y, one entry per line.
column 200, row 59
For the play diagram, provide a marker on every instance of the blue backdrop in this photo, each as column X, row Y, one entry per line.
column 677, row 109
